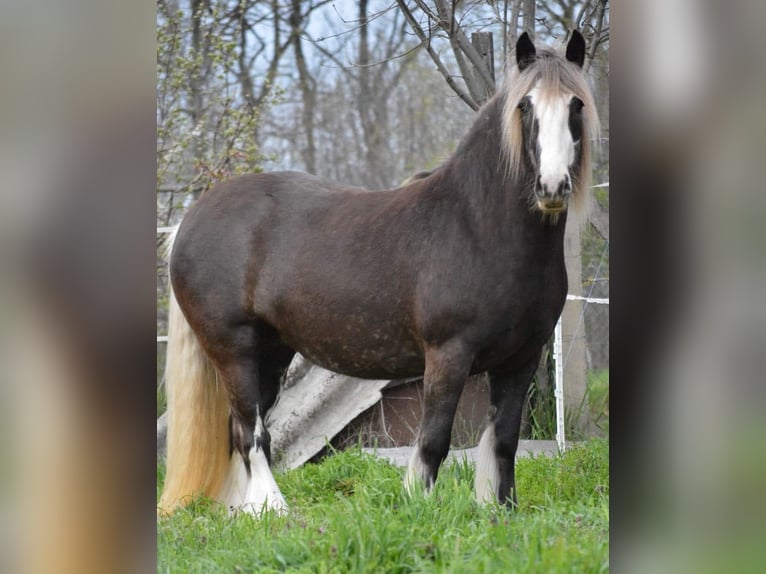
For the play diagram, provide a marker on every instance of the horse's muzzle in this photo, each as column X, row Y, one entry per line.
column 553, row 197
column 551, row 205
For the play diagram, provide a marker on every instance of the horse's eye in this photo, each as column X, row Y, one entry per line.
column 523, row 106
column 577, row 104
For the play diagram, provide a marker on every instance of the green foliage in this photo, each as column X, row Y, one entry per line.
column 162, row 401
column 542, row 417
column 206, row 129
column 595, row 258
column 601, row 195
column 598, row 398
column 542, row 402
column 350, row 513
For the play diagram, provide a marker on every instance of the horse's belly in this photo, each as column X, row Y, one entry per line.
column 371, row 353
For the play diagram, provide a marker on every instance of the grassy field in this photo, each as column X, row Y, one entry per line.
column 350, row 514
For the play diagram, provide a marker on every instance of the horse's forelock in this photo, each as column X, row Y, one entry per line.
column 554, row 74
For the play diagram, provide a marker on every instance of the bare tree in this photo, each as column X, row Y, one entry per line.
column 307, row 86
column 477, row 82
column 349, row 86
column 438, row 20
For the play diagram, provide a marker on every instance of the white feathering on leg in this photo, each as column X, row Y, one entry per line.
column 234, row 489
column 487, row 473
column 258, row 493
column 416, row 473
column 262, row 491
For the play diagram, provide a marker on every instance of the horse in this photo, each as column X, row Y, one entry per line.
column 459, row 271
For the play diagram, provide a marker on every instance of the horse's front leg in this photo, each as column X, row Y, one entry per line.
column 446, row 370
column 495, row 468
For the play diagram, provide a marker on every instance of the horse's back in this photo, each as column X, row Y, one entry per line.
column 226, row 217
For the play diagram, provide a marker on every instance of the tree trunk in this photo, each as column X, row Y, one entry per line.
column 528, row 11
column 482, row 41
column 372, row 112
column 197, row 80
column 307, row 86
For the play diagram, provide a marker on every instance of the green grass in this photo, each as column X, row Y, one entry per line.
column 350, row 514
column 598, row 398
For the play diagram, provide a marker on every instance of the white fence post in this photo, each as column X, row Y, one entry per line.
column 559, row 389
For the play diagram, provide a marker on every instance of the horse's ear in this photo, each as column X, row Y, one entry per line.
column 576, row 49
column 525, row 52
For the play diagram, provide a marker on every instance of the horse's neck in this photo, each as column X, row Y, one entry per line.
column 498, row 203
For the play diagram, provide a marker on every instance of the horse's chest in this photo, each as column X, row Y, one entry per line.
column 520, row 332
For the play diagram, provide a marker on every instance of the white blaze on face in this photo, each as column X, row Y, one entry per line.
column 557, row 151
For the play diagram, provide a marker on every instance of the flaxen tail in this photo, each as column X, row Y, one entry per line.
column 198, row 424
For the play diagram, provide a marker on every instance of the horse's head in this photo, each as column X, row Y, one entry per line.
column 548, row 114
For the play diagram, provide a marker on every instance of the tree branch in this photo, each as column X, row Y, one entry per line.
column 464, row 45
column 583, row 9
column 425, row 41
column 595, row 39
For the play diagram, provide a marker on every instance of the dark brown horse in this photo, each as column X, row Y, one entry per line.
column 460, row 271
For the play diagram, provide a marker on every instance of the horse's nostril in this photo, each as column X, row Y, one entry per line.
column 561, row 188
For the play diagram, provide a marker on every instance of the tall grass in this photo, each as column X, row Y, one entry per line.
column 598, row 399
column 542, row 409
column 350, row 513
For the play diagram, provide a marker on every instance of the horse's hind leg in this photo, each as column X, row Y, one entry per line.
column 495, row 472
column 275, row 358
column 250, row 483
column 445, row 375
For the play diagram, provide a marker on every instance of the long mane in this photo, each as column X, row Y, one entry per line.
column 557, row 75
